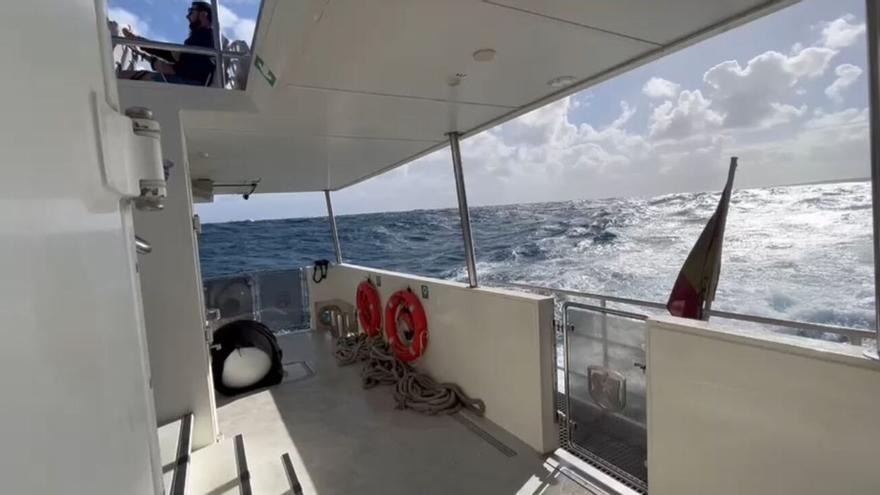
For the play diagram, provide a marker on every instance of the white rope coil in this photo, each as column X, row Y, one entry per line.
column 412, row 389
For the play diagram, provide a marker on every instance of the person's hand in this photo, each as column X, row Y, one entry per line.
column 127, row 32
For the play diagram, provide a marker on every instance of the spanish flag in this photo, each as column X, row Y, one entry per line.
column 695, row 287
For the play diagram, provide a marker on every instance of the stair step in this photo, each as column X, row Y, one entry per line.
column 175, row 442
column 244, row 476
column 292, row 478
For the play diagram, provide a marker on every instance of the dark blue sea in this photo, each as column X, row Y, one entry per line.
column 795, row 252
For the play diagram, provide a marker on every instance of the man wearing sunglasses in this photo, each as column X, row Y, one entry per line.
column 179, row 67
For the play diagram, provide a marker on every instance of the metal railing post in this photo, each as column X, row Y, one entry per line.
column 872, row 20
column 333, row 230
column 218, row 47
column 463, row 213
column 604, row 304
column 566, row 344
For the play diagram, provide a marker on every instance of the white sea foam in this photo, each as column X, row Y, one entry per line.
column 797, row 252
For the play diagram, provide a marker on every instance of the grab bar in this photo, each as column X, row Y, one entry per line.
column 143, row 247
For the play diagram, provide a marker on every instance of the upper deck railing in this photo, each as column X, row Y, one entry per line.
column 232, row 58
column 853, row 335
column 231, row 70
column 260, row 291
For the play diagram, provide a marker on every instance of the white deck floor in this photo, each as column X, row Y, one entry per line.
column 345, row 440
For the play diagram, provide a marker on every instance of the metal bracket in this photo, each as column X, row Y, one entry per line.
column 129, row 153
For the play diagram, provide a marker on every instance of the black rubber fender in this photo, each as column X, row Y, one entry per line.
column 240, row 334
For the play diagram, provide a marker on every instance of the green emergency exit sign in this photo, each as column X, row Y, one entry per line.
column 266, row 72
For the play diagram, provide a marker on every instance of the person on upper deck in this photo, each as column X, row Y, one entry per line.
column 179, row 67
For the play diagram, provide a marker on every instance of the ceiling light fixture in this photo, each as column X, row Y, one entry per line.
column 561, row 81
column 203, row 154
column 484, row 55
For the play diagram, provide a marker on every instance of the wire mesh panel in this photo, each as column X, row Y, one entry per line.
column 606, row 387
column 277, row 298
column 282, row 299
column 233, row 296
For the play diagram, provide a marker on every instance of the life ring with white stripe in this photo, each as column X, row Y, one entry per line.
column 406, row 325
column 369, row 308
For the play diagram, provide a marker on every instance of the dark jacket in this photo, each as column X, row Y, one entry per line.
column 189, row 65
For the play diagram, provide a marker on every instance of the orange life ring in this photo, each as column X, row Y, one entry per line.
column 405, row 310
column 369, row 308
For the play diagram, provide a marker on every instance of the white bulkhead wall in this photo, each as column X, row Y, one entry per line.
column 77, row 414
column 170, row 275
column 172, row 286
column 753, row 411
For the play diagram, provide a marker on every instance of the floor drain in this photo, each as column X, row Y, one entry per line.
column 485, row 435
column 296, row 371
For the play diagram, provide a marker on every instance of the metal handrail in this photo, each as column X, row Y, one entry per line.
column 855, row 335
column 172, row 47
column 219, row 54
column 604, row 310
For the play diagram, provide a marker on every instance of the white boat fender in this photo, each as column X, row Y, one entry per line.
column 245, row 357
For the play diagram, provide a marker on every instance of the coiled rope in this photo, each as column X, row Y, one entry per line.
column 412, row 389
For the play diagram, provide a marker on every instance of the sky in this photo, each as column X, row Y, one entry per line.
column 787, row 94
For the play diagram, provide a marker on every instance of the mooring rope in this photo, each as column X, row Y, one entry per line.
column 412, row 389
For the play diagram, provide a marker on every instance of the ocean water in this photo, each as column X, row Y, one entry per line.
column 794, row 252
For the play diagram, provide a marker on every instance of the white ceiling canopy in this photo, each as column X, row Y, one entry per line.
column 363, row 86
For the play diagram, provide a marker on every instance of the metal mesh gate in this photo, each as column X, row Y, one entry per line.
column 277, row 298
column 604, row 390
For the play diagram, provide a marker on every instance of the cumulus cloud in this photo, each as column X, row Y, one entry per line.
column 548, row 123
column 681, row 144
column 828, row 146
column 753, row 95
column 844, row 118
column 657, row 87
column 847, row 74
column 235, row 27
column 842, row 32
column 682, row 119
column 686, row 144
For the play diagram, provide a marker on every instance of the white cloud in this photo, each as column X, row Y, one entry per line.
column 847, row 74
column 124, row 18
column 657, row 87
column 235, row 27
column 685, row 145
column 827, row 146
column 753, row 95
column 689, row 115
column 844, row 118
column 548, row 123
column 842, row 32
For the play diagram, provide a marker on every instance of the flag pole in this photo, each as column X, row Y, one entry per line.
column 713, row 280
column 694, row 288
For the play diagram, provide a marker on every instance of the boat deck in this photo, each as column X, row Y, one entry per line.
column 342, row 439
